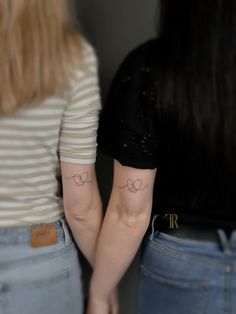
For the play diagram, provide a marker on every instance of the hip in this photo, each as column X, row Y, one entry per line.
column 189, row 254
column 39, row 270
column 187, row 272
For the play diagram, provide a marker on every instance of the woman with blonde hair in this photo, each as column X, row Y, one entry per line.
column 49, row 103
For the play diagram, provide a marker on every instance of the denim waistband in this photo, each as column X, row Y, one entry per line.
column 214, row 236
column 20, row 235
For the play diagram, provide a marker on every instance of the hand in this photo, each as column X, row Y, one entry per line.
column 114, row 303
column 97, row 305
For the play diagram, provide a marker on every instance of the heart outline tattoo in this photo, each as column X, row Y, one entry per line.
column 80, row 179
column 134, row 186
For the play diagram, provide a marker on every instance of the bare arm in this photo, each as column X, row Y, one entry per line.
column 126, row 221
column 82, row 205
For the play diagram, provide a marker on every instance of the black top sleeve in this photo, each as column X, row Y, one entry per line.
column 127, row 129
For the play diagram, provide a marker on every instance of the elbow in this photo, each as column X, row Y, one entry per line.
column 83, row 213
column 135, row 217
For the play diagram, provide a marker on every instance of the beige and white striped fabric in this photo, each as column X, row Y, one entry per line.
column 32, row 142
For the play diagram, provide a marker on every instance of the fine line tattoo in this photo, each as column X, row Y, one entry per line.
column 80, row 179
column 134, row 186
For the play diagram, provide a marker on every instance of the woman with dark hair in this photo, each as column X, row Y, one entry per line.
column 169, row 124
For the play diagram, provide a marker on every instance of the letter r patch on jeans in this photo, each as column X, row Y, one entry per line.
column 43, row 235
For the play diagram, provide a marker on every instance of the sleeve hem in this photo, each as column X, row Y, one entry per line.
column 138, row 164
column 78, row 161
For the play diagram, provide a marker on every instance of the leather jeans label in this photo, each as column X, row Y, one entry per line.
column 43, row 235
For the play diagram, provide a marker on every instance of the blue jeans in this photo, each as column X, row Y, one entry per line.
column 187, row 276
column 43, row 280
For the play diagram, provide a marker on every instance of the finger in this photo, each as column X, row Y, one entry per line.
column 114, row 309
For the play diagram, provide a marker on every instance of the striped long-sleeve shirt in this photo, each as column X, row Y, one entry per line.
column 37, row 137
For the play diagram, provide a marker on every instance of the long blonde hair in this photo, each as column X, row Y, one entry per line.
column 39, row 45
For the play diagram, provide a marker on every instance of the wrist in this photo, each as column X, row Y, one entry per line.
column 97, row 293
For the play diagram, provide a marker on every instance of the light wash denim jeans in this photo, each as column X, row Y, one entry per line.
column 42, row 280
column 183, row 276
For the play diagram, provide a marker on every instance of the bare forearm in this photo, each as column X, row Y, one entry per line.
column 82, row 205
column 85, row 231
column 118, row 243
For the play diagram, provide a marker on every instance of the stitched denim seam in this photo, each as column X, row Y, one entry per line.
column 170, row 252
column 42, row 257
column 191, row 284
column 44, row 282
column 182, row 256
column 189, row 242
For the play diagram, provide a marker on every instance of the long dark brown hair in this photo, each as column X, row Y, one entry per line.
column 197, row 67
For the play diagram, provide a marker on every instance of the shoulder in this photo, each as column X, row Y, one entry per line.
column 89, row 55
column 135, row 69
column 88, row 50
column 142, row 54
column 135, row 72
column 147, row 48
column 128, row 92
column 88, row 67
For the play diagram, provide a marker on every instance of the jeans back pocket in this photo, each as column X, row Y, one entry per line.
column 165, row 295
column 171, row 282
column 45, row 295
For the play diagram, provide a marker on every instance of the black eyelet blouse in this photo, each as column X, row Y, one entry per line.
column 188, row 182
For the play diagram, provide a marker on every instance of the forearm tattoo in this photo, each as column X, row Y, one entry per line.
column 80, row 179
column 134, row 186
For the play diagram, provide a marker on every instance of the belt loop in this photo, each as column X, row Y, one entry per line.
column 153, row 226
column 225, row 244
column 233, row 239
column 66, row 231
